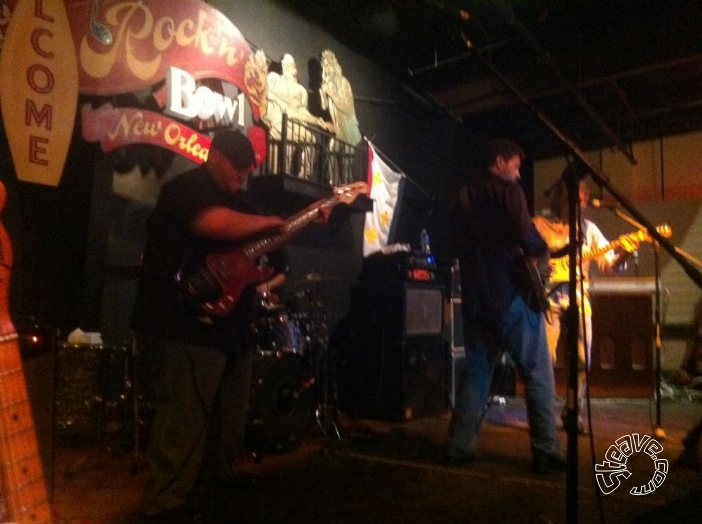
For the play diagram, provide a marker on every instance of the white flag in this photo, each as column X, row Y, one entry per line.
column 386, row 187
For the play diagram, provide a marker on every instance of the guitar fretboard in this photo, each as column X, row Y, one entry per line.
column 292, row 226
column 24, row 492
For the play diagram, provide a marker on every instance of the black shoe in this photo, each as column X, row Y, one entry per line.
column 545, row 464
column 688, row 460
column 240, row 480
column 184, row 514
column 452, row 457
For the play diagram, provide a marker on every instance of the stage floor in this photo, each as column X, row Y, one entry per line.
column 391, row 472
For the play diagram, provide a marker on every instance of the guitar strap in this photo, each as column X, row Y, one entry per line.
column 466, row 207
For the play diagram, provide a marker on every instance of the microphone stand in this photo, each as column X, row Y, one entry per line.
column 657, row 429
column 573, row 329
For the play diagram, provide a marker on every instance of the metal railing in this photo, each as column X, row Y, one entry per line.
column 309, row 153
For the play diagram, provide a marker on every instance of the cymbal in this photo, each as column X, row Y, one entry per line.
column 314, row 278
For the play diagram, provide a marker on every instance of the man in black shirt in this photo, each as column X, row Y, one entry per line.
column 202, row 361
column 492, row 232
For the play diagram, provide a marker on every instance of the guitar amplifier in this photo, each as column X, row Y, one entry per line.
column 399, row 267
column 402, row 309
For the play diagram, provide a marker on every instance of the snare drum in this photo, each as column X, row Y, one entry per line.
column 277, row 332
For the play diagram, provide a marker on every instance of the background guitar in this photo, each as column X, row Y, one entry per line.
column 23, row 496
column 560, row 267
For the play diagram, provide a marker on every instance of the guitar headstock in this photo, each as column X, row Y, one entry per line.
column 350, row 192
column 664, row 230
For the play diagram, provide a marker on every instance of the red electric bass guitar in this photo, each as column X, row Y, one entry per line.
column 216, row 286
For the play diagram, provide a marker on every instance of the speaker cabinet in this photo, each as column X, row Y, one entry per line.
column 390, row 360
column 622, row 340
column 392, row 379
column 403, row 309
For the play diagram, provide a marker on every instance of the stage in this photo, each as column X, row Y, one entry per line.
column 382, row 471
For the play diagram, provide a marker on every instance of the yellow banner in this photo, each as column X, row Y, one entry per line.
column 39, row 102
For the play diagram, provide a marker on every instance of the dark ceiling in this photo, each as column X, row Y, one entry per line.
column 599, row 73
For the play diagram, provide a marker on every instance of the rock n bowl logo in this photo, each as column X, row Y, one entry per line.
column 609, row 474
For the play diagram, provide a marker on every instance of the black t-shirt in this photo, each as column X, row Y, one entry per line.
column 161, row 310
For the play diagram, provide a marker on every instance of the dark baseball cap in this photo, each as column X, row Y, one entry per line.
column 235, row 146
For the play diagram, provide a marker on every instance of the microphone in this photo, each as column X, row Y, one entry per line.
column 607, row 204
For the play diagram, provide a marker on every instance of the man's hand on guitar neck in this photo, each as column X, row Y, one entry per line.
column 627, row 245
column 324, row 214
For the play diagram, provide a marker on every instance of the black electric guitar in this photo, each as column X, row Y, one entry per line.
column 528, row 274
column 217, row 285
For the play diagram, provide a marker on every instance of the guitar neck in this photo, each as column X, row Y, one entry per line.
column 23, row 496
column 599, row 251
column 292, row 226
column 561, row 266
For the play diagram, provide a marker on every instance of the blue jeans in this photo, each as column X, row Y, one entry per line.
column 522, row 333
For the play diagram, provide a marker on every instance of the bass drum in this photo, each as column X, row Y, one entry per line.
column 283, row 403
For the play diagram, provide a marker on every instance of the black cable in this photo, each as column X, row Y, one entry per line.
column 587, row 357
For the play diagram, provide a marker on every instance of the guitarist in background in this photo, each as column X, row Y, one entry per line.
column 556, row 232
column 202, row 363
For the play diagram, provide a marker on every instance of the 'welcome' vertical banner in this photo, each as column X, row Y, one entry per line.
column 39, row 89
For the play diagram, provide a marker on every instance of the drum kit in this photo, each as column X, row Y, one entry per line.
column 290, row 386
column 104, row 391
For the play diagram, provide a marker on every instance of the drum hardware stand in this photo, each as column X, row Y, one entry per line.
column 325, row 414
column 137, row 458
